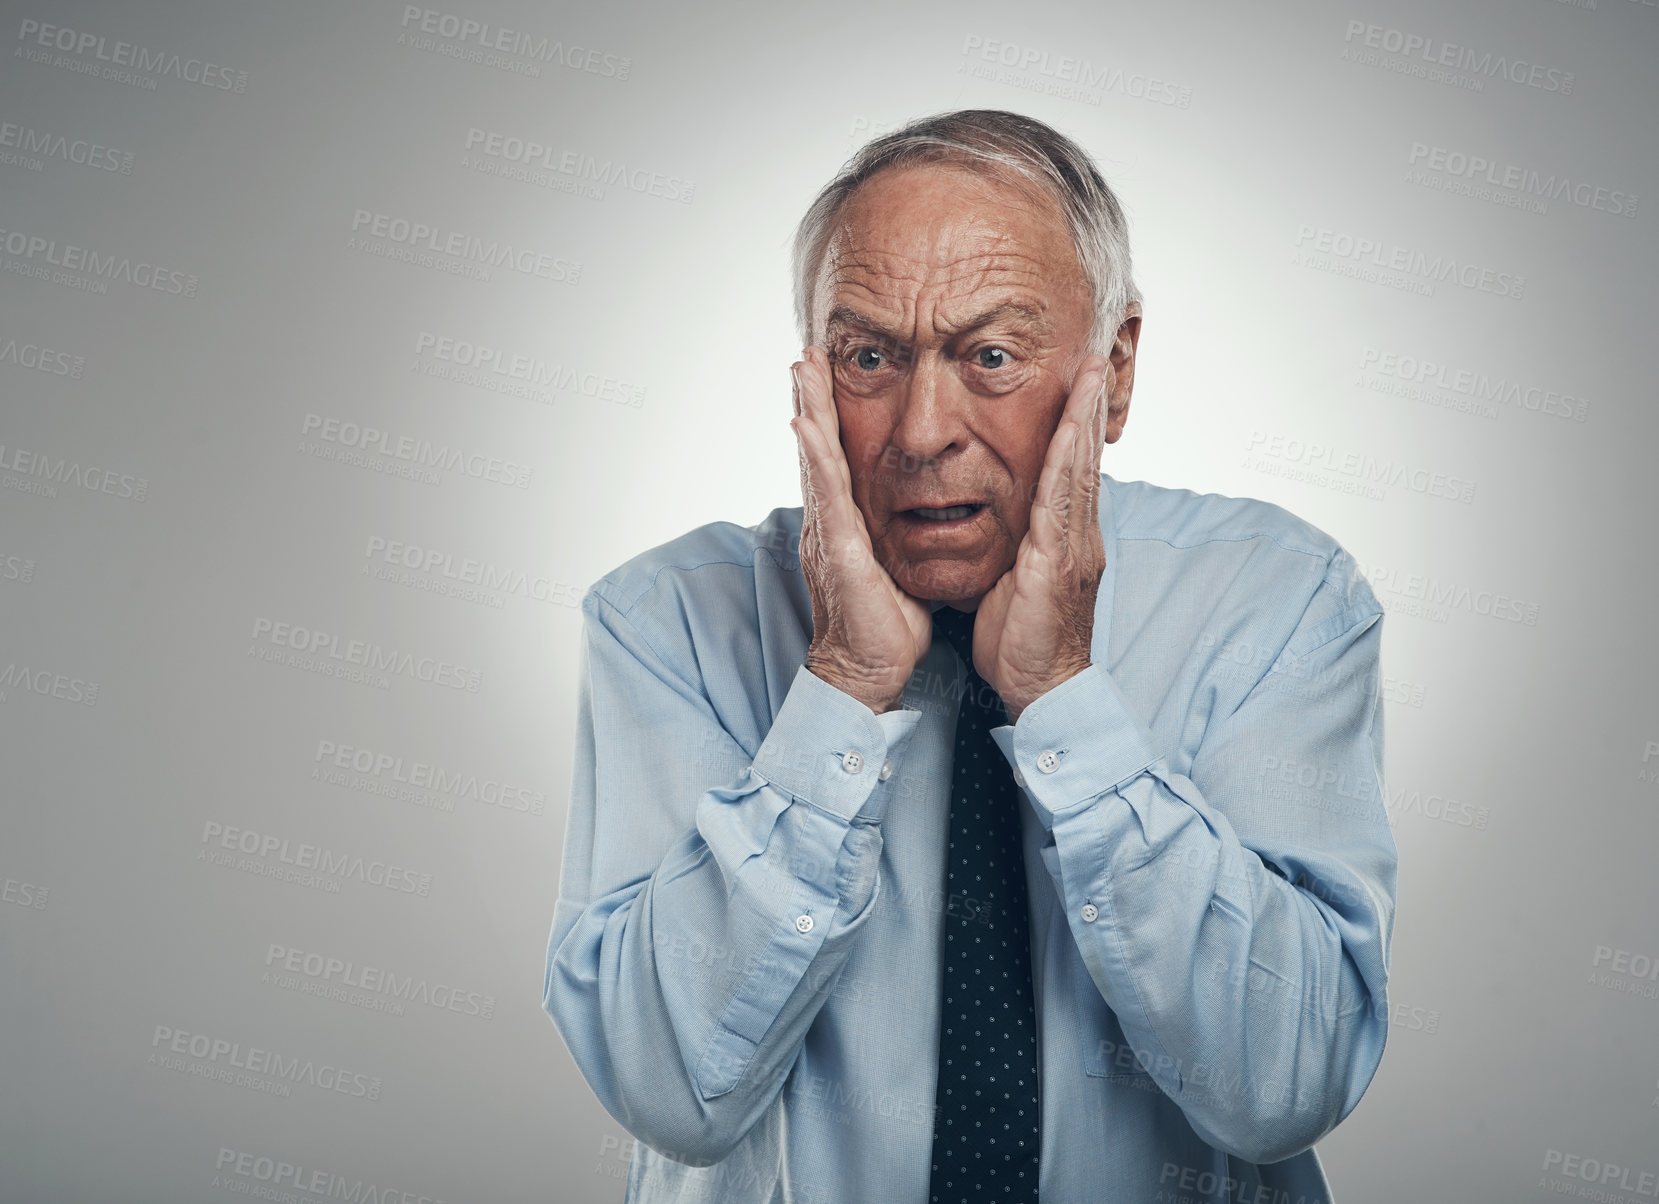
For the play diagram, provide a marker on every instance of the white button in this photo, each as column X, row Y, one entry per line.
column 852, row 762
column 1018, row 776
column 1047, row 761
column 1090, row 913
column 886, row 770
column 803, row 923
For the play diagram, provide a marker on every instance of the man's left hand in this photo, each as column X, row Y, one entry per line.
column 1034, row 629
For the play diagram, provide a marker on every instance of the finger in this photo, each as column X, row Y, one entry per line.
column 818, row 390
column 1081, row 489
column 1097, row 448
column 1048, row 521
column 1080, row 400
column 795, row 424
column 1086, row 395
column 809, row 421
column 812, row 471
column 835, row 474
column 837, row 525
column 1074, row 422
column 1103, row 401
column 807, row 505
column 1103, row 405
column 1059, row 496
column 1077, row 496
column 841, row 524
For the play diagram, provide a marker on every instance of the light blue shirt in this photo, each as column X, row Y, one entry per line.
column 745, row 955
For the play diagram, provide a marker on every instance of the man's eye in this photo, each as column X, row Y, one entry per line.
column 868, row 358
column 992, row 357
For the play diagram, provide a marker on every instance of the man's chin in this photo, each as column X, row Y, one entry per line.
column 944, row 580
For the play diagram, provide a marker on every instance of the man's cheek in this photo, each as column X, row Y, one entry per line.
column 1027, row 465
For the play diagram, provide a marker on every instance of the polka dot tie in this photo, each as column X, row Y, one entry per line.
column 985, row 1145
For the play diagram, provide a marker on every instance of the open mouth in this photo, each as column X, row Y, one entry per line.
column 944, row 514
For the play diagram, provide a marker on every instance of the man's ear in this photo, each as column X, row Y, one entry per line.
column 1120, row 371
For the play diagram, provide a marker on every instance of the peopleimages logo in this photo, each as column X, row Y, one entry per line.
column 364, row 654
column 37, row 357
column 417, row 452
column 448, row 783
column 39, row 40
column 392, row 237
column 1425, row 55
column 1528, row 183
column 48, row 473
column 1648, row 772
column 1323, row 464
column 1379, row 262
column 48, row 684
column 1481, row 393
column 471, row 40
column 21, row 142
column 1405, row 800
column 1437, row 596
column 435, row 570
column 1598, row 1172
column 531, row 154
column 302, row 862
column 1064, row 75
column 336, row 977
column 215, row 1057
column 278, row 1179
column 22, row 569
column 1625, row 973
column 42, row 253
column 23, row 894
column 498, row 370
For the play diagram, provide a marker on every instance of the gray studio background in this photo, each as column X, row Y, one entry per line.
column 324, row 395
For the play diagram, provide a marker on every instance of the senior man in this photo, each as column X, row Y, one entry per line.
column 985, row 828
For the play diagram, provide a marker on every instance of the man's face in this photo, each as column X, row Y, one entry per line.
column 955, row 314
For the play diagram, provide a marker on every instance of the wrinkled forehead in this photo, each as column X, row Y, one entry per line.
column 944, row 236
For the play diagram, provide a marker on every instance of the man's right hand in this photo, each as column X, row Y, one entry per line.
column 867, row 633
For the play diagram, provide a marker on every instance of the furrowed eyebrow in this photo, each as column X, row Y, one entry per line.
column 844, row 318
column 1022, row 315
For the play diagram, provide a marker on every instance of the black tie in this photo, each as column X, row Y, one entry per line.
column 985, row 1145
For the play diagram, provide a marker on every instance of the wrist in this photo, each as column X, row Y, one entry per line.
column 1054, row 681
column 879, row 697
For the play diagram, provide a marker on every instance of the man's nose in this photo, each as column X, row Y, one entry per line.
column 930, row 418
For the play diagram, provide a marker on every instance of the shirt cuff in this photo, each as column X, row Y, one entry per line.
column 1075, row 743
column 830, row 750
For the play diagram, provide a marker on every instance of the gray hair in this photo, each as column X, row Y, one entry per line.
column 984, row 140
